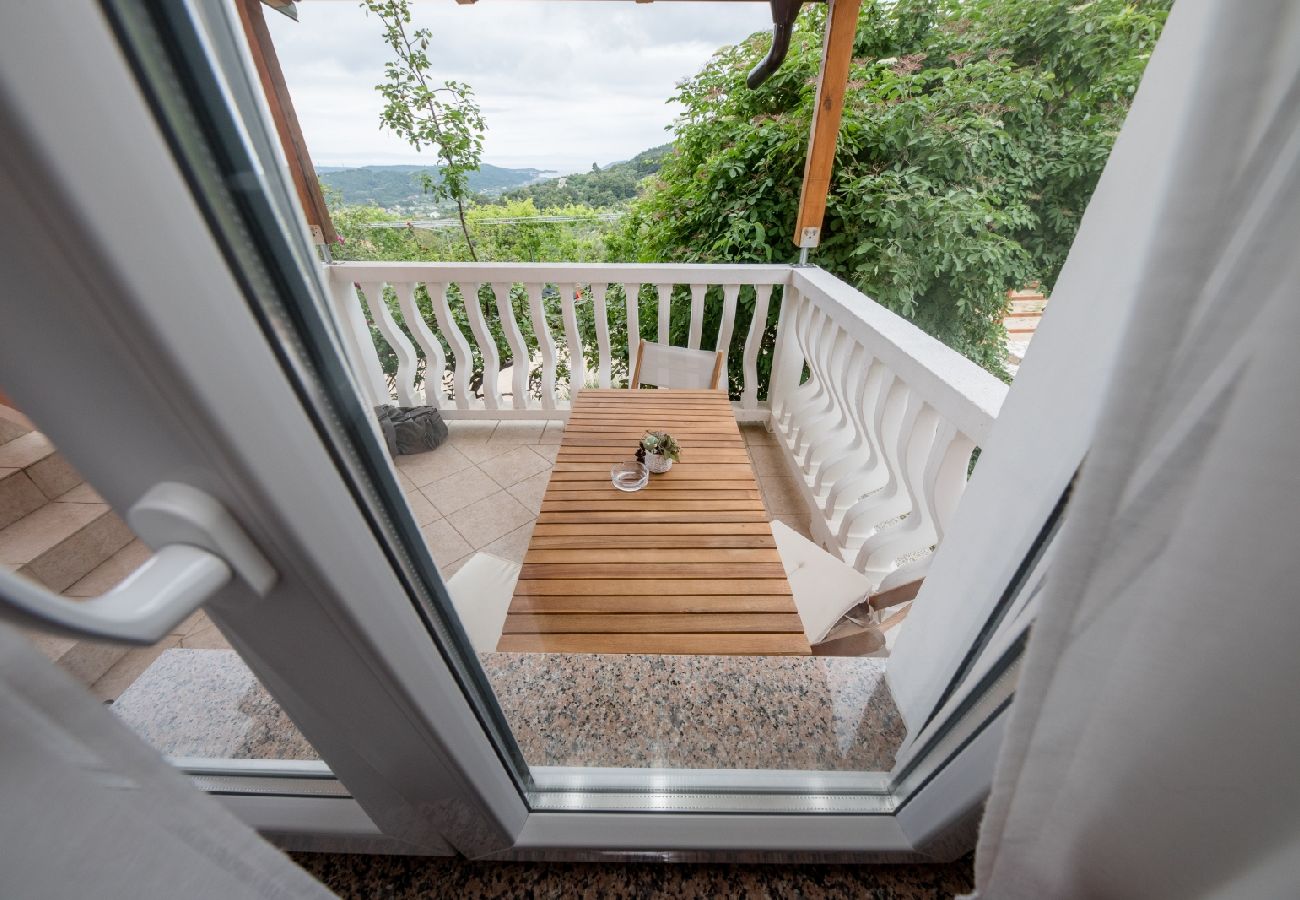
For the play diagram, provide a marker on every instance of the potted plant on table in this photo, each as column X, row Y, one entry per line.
column 658, row 450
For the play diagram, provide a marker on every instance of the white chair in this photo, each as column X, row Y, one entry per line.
column 676, row 367
column 481, row 593
column 826, row 589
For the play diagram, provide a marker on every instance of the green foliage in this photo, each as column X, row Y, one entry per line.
column 974, row 132
column 662, row 443
column 446, row 118
column 401, row 188
column 611, row 186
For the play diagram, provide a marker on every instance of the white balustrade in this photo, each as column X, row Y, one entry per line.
column 878, row 420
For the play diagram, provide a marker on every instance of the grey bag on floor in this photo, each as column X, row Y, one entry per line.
column 411, row 429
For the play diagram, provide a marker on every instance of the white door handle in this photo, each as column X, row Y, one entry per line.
column 201, row 548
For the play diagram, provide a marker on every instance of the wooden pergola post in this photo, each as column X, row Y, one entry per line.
column 837, row 56
column 286, row 121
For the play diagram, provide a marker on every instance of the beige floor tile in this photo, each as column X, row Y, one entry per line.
column 444, row 542
column 492, row 517
column 529, row 491
column 405, row 482
column 82, row 493
column 513, row 467
column 470, row 430
column 758, row 436
column 451, row 568
column 481, row 451
column 113, row 683
column 525, row 432
column 768, row 461
column 548, row 452
column 423, row 468
column 554, row 431
column 460, row 490
column 423, row 511
column 781, row 496
column 512, row 546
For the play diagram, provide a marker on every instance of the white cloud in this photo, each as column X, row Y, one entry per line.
column 561, row 84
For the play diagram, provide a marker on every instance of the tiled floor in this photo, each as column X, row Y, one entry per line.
column 482, row 490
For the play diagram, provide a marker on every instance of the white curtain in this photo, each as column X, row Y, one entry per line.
column 1154, row 745
column 88, row 810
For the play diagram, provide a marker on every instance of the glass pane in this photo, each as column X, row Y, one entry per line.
column 188, row 695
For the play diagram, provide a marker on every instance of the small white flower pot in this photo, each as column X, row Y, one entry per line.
column 657, row 463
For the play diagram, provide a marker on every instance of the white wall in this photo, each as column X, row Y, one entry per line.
column 1047, row 420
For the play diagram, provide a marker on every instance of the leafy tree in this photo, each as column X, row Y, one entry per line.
column 974, row 132
column 446, row 118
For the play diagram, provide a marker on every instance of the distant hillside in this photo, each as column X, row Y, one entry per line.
column 399, row 188
column 611, row 186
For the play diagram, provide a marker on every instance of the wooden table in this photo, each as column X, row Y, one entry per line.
column 686, row 565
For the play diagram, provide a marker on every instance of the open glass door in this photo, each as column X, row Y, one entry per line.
column 188, row 333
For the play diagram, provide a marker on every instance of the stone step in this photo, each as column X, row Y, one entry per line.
column 88, row 660
column 40, row 462
column 19, row 496
column 60, row 543
column 13, row 424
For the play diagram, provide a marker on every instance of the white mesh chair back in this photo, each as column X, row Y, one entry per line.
column 676, row 367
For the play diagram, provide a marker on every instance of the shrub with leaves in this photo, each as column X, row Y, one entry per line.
column 974, row 132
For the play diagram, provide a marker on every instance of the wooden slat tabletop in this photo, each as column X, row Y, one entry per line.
column 686, row 565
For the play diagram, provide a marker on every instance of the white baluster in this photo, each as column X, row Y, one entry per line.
column 456, row 340
column 935, row 497
column 868, row 473
column 730, row 294
column 358, row 344
column 864, row 376
column 886, row 426
column 697, row 315
column 487, row 346
column 812, row 393
column 519, row 368
column 577, row 366
column 829, row 362
column 602, row 333
column 753, row 344
column 545, row 345
column 404, row 382
column 914, row 433
column 631, row 303
column 435, row 360
column 845, row 371
column 665, row 307
column 787, row 361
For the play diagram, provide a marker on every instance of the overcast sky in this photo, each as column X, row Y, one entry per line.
column 562, row 84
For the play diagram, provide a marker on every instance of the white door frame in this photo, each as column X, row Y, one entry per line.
column 147, row 353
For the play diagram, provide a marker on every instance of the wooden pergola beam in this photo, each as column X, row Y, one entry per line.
column 837, row 56
column 286, row 122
